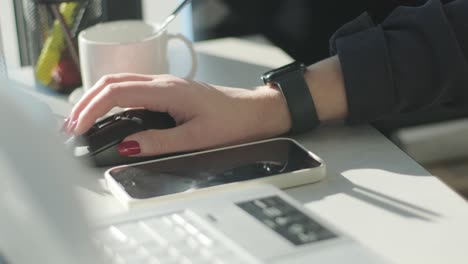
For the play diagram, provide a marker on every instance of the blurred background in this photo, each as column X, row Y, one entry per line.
column 302, row 28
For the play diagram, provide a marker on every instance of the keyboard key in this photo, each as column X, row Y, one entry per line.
column 169, row 239
column 281, row 220
column 184, row 248
column 272, row 212
column 118, row 260
column 157, row 238
column 260, row 204
column 174, row 252
column 136, row 233
column 191, row 229
column 206, row 241
column 112, row 237
column 296, row 228
column 107, row 252
column 178, row 219
column 206, row 253
column 307, row 237
column 154, row 248
column 157, row 223
column 170, row 235
column 193, row 243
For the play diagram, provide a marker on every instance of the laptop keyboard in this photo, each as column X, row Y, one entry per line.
column 172, row 238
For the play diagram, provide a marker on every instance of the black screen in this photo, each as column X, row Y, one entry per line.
column 213, row 168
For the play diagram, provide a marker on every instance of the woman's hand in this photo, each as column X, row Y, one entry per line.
column 206, row 115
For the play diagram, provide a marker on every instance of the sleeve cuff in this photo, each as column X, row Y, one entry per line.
column 367, row 75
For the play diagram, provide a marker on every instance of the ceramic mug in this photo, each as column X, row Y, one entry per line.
column 126, row 46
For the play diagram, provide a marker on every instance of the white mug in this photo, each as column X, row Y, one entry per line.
column 126, row 46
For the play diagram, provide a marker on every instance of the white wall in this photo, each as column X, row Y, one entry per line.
column 157, row 10
column 3, row 70
column 8, row 34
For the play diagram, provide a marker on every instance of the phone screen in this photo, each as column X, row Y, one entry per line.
column 196, row 171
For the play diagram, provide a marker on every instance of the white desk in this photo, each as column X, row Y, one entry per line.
column 373, row 191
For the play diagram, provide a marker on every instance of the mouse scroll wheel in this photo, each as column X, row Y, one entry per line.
column 137, row 120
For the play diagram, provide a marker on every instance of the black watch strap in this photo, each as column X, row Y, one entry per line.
column 290, row 80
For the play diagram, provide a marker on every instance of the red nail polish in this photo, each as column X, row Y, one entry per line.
column 129, row 148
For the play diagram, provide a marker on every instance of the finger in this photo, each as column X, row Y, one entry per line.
column 157, row 142
column 100, row 85
column 125, row 94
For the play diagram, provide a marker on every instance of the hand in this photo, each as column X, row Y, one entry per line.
column 206, row 115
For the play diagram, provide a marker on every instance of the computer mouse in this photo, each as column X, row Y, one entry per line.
column 99, row 144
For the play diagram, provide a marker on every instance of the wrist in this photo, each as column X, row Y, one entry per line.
column 290, row 80
column 272, row 110
column 262, row 112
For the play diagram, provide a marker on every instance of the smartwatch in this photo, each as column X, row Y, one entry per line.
column 290, row 80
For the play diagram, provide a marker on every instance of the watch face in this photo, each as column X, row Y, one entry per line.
column 271, row 76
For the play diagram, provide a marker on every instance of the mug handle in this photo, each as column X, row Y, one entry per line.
column 189, row 44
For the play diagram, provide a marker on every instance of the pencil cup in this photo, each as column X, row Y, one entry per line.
column 51, row 38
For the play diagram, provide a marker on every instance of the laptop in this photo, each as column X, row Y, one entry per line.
column 42, row 222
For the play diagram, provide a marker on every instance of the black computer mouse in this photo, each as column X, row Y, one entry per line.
column 99, row 144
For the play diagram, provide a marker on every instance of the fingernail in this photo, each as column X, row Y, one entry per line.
column 128, row 148
column 65, row 124
column 71, row 127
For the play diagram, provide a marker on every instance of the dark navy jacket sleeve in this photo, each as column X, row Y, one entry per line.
column 417, row 58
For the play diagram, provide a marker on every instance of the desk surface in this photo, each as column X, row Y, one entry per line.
column 373, row 191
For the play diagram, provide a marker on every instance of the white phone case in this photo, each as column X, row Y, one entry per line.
column 283, row 180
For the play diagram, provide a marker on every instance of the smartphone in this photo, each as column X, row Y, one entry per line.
column 282, row 162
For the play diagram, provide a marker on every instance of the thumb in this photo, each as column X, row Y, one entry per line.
column 157, row 142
